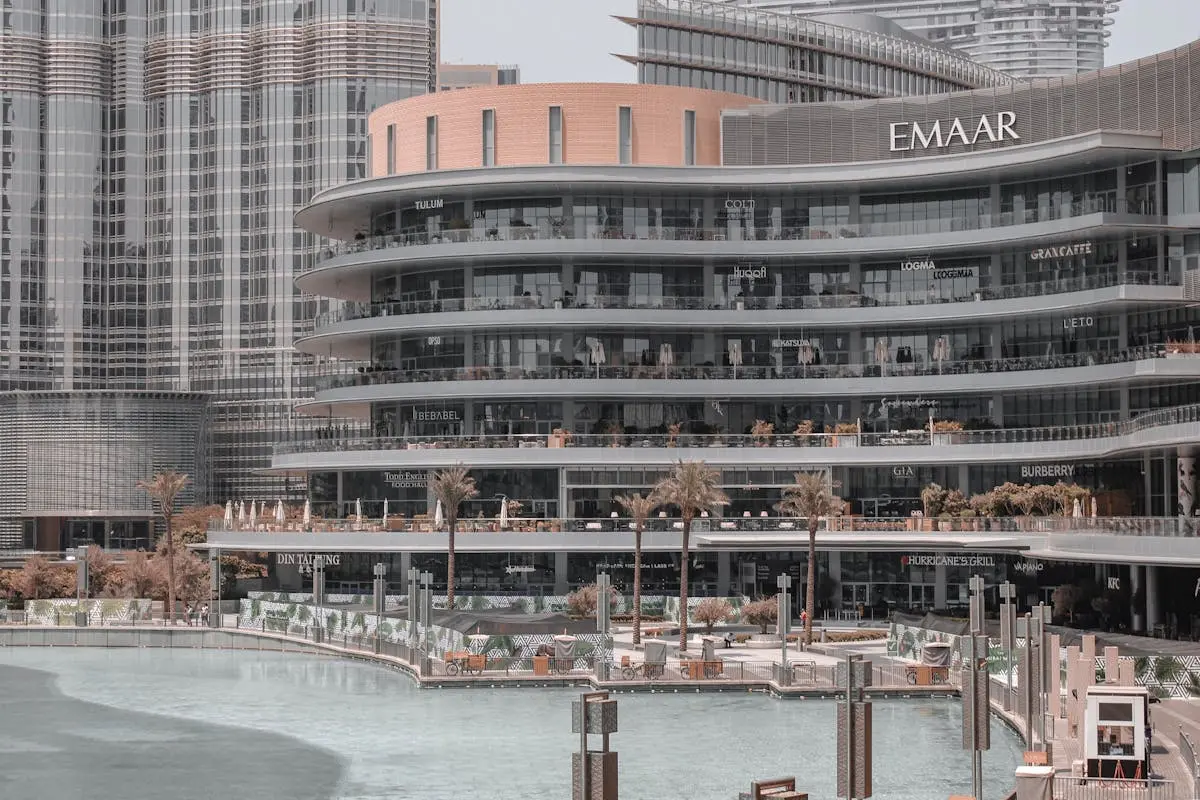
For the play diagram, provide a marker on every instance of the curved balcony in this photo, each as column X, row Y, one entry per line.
column 363, row 320
column 708, row 380
column 331, row 277
column 331, row 450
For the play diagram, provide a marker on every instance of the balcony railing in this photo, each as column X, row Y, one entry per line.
column 572, row 228
column 335, row 440
column 1171, row 527
column 375, row 376
column 443, row 305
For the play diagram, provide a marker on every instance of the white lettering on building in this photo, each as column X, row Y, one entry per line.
column 434, row 415
column 304, row 561
column 753, row 273
column 1048, row 471
column 1062, row 251
column 938, row 560
column 904, row 472
column 1079, row 322
column 914, row 266
column 739, row 205
column 922, row 136
column 429, row 205
column 1028, row 567
column 406, row 480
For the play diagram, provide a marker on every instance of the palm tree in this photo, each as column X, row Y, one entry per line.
column 692, row 487
column 164, row 488
column 452, row 486
column 810, row 498
column 639, row 509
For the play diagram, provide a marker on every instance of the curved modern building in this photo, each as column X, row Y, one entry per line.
column 568, row 288
column 791, row 59
column 1024, row 38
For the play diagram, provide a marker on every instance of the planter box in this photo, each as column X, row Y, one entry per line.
column 845, row 440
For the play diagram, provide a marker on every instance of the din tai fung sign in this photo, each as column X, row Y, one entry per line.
column 994, row 128
column 303, row 562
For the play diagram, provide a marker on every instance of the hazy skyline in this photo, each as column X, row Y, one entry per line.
column 529, row 34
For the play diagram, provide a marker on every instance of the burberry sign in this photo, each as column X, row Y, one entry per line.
column 922, row 135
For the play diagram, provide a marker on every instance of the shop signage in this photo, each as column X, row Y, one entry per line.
column 915, row 266
column 905, row 471
column 432, row 204
column 751, row 272
column 740, row 206
column 629, row 565
column 1114, row 584
column 1028, row 567
column 434, row 415
column 304, row 561
column 922, row 136
column 937, row 274
column 511, row 570
column 899, row 403
column 1048, row 471
column 1079, row 322
column 943, row 560
column 783, row 343
column 1062, row 251
column 406, row 480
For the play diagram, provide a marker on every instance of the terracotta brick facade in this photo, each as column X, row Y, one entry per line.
column 522, row 124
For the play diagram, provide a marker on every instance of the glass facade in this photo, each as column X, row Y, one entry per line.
column 1022, row 40
column 146, row 236
column 785, row 59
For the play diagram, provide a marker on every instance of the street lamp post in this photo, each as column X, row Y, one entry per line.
column 80, row 555
column 1008, row 631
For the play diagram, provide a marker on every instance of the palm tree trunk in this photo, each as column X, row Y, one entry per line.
column 170, row 573
column 809, row 591
column 453, row 523
column 683, row 586
column 637, row 584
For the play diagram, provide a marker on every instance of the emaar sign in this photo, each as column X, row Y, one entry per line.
column 923, row 136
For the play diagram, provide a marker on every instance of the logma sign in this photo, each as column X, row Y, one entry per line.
column 923, row 136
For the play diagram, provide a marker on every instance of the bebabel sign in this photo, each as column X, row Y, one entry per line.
column 996, row 128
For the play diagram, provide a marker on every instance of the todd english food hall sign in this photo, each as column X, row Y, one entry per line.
column 903, row 136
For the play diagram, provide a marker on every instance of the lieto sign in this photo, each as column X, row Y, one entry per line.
column 904, row 136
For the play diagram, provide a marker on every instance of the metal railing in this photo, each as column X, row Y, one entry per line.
column 429, row 304
column 1187, row 752
column 339, row 377
column 335, row 440
column 1032, row 526
column 1068, row 787
column 573, row 228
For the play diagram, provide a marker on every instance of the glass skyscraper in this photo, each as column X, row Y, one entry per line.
column 1025, row 38
column 152, row 153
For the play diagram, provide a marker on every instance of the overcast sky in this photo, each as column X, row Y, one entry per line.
column 571, row 40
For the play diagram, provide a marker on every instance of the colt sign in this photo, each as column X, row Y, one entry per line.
column 922, row 136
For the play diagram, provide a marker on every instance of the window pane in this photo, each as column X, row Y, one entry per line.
column 431, row 143
column 556, row 135
column 625, row 135
column 689, row 138
column 489, row 137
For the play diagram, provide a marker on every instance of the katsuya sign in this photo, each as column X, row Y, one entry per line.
column 903, row 136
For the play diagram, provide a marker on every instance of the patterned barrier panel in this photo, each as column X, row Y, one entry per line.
column 100, row 611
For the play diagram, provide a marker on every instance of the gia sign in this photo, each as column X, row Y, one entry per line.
column 921, row 136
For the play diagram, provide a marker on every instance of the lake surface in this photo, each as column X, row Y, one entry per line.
column 147, row 724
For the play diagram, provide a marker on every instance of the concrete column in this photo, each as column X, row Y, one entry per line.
column 1137, row 611
column 710, row 347
column 405, row 566
column 997, row 340
column 468, row 420
column 1122, row 188
column 998, row 409
column 567, row 276
column 856, row 347
column 341, row 486
column 1123, row 395
column 939, row 587
column 1123, row 331
column 835, row 572
column 1169, row 482
column 1153, row 611
column 1147, row 503
column 1053, row 683
column 855, row 206
column 964, row 479
column 561, row 585
column 707, row 282
column 563, row 500
column 855, row 278
column 724, row 560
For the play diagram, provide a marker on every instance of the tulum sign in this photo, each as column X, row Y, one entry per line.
column 922, row 135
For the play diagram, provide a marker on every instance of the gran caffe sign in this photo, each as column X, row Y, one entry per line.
column 939, row 134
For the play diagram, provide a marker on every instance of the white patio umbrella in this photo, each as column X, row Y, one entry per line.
column 1077, row 510
column 228, row 514
column 385, row 510
column 1093, row 508
column 280, row 513
column 307, row 512
column 882, row 354
column 439, row 516
column 596, row 352
column 805, row 355
column 358, row 511
column 941, row 351
column 666, row 355
column 503, row 513
column 734, row 348
column 241, row 512
column 253, row 513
